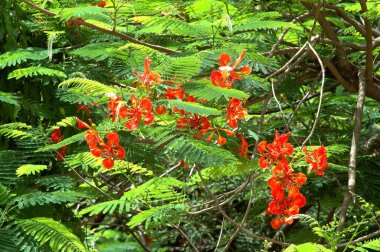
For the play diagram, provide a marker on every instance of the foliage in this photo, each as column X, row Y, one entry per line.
column 124, row 123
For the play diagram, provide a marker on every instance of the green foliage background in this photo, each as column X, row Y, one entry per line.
column 76, row 205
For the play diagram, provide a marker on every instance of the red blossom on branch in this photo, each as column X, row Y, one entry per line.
column 317, row 159
column 226, row 74
column 139, row 110
column 98, row 148
column 57, row 137
column 148, row 78
column 235, row 111
column 173, row 93
column 275, row 151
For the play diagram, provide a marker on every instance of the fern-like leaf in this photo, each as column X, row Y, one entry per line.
column 14, row 58
column 29, row 169
column 193, row 107
column 9, row 98
column 43, row 198
column 160, row 214
column 64, row 142
column 86, row 84
column 198, row 152
column 35, row 71
column 203, row 89
column 57, row 235
column 261, row 25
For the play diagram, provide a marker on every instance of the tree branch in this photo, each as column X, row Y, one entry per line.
column 366, row 237
column 111, row 32
column 231, row 221
column 353, row 151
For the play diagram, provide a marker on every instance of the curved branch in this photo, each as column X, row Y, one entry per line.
column 97, row 28
column 353, row 151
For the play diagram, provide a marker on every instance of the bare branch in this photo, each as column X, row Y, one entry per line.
column 353, row 151
column 363, row 238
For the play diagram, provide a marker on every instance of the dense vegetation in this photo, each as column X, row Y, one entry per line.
column 135, row 125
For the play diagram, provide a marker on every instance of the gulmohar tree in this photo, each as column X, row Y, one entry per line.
column 189, row 125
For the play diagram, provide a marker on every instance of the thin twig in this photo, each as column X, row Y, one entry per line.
column 320, row 96
column 186, row 237
column 242, row 223
column 171, row 169
column 231, row 221
column 363, row 238
column 220, row 236
column 281, row 38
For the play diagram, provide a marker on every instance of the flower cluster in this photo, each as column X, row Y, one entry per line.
column 235, row 111
column 148, row 78
column 139, row 110
column 109, row 151
column 317, row 159
column 226, row 74
column 56, row 137
column 285, row 184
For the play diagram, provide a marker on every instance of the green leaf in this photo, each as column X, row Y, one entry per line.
column 64, row 142
column 35, row 71
column 29, row 169
column 307, row 247
column 202, row 89
column 193, row 107
column 14, row 58
column 54, row 233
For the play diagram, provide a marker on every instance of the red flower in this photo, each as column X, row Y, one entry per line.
column 195, row 122
column 221, row 140
column 275, row 151
column 173, row 93
column 225, row 76
column 102, row 4
column 276, row 223
column 160, row 110
column 148, row 78
column 190, row 98
column 82, row 124
column 140, row 109
column 61, row 154
column 235, row 111
column 317, row 159
column 108, row 163
column 117, row 108
column 244, row 146
column 56, row 136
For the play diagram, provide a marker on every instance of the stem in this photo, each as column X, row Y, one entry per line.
column 353, row 151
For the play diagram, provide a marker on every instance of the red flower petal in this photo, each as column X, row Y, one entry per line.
column 276, row 223
column 120, row 152
column 97, row 152
column 221, row 140
column 132, row 125
column 300, row 178
column 56, row 136
column 82, row 124
column 113, row 138
column 160, row 110
column 102, row 4
column 245, row 70
column 149, row 118
column 108, row 163
column 224, row 59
